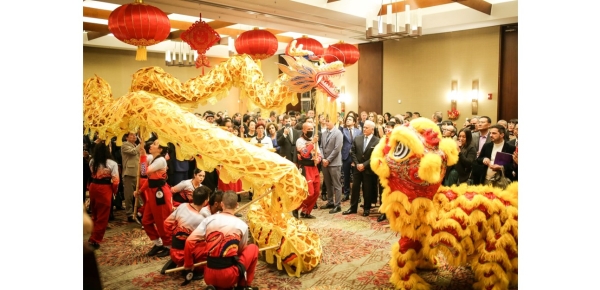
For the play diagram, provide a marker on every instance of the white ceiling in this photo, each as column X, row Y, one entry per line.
column 327, row 22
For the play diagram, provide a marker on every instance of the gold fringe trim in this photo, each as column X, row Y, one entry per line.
column 141, row 53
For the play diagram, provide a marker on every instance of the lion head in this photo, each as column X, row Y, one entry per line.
column 413, row 158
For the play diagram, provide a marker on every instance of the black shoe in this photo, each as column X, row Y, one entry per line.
column 381, row 218
column 169, row 265
column 336, row 209
column 316, row 206
column 190, row 275
column 94, row 245
column 349, row 211
column 155, row 249
column 324, row 197
column 366, row 213
column 345, row 198
column 130, row 219
column 307, row 216
column 119, row 208
column 329, row 205
column 295, row 213
column 164, row 252
column 111, row 217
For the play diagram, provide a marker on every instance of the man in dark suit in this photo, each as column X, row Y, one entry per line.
column 362, row 147
column 488, row 153
column 350, row 132
column 286, row 139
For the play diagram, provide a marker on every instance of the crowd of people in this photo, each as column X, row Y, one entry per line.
column 180, row 206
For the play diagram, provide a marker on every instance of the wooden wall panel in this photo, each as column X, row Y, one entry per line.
column 508, row 91
column 370, row 77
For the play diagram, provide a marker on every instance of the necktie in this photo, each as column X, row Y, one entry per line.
column 365, row 145
column 351, row 138
column 291, row 136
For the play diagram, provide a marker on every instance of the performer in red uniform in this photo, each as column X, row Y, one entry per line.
column 309, row 156
column 159, row 201
column 182, row 192
column 195, row 247
column 231, row 260
column 184, row 220
column 105, row 183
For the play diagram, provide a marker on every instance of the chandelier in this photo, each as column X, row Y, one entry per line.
column 182, row 55
column 395, row 26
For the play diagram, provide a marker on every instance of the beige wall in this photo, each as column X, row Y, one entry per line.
column 419, row 72
column 117, row 67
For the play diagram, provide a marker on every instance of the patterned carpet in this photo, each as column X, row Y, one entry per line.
column 356, row 252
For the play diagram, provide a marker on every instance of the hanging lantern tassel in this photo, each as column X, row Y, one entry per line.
column 202, row 61
column 141, row 54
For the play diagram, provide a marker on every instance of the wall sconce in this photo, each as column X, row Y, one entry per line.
column 475, row 97
column 453, row 94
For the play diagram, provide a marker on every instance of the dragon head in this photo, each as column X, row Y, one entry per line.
column 305, row 75
column 412, row 159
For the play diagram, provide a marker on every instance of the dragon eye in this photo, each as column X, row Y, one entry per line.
column 401, row 151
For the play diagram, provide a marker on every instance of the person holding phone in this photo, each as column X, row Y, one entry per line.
column 286, row 139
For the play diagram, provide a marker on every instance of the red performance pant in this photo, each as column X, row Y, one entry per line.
column 194, row 252
column 311, row 173
column 100, row 204
column 155, row 215
column 229, row 277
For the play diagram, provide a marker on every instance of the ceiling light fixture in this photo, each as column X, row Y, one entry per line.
column 182, row 55
column 379, row 30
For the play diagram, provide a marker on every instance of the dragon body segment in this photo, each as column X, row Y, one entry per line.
column 155, row 104
column 477, row 225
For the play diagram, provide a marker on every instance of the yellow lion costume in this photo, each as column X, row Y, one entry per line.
column 475, row 225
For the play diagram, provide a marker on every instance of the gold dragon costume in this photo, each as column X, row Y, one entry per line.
column 159, row 103
column 475, row 225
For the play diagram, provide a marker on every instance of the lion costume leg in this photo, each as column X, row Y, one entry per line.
column 407, row 254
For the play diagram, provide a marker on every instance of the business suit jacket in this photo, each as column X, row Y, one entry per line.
column 486, row 152
column 287, row 146
column 348, row 141
column 478, row 170
column 364, row 157
column 331, row 146
column 130, row 156
column 476, row 136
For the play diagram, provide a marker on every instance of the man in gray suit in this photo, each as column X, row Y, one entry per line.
column 331, row 146
column 131, row 158
column 479, row 139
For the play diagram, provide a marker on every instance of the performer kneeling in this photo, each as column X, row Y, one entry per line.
column 231, row 260
column 183, row 221
column 194, row 250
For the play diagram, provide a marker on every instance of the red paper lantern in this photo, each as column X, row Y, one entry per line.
column 344, row 52
column 257, row 43
column 307, row 44
column 139, row 24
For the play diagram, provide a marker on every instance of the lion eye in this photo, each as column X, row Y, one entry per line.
column 401, row 151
